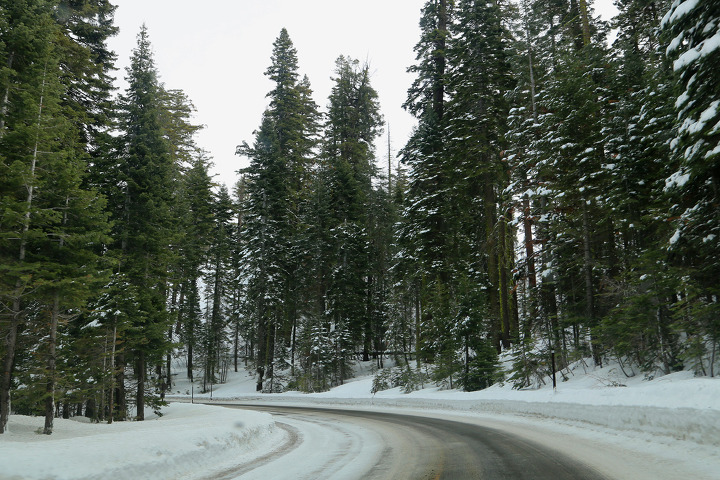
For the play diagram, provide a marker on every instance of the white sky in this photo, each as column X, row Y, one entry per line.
column 217, row 52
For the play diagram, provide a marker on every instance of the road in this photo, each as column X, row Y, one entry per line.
column 355, row 444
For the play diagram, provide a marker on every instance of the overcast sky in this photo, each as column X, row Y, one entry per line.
column 217, row 51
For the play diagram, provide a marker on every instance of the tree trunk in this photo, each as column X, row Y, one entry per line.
column 292, row 344
column 4, row 105
column 8, row 363
column 589, row 295
column 529, row 265
column 418, row 336
column 168, row 362
column 584, row 17
column 236, row 345
column 103, row 392
column 190, row 361
column 140, row 397
column 111, row 400
column 121, row 395
column 262, row 342
column 491, row 247
column 215, row 321
column 51, row 367
column 440, row 60
column 508, row 330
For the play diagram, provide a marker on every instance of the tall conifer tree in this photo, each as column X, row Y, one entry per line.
column 279, row 165
column 143, row 221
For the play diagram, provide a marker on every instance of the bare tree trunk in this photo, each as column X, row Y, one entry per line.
column 585, row 22
column 491, row 250
column 111, row 401
column 292, row 346
column 52, row 347
column 236, row 344
column 5, row 101
column 121, row 396
column 262, row 343
column 529, row 263
column 190, row 362
column 168, row 362
column 8, row 363
column 51, row 366
column 140, row 397
column 530, row 271
column 504, row 284
column 418, row 316
column 589, row 295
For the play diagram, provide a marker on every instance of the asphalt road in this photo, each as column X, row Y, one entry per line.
column 345, row 444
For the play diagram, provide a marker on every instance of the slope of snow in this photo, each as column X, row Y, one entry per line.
column 187, row 441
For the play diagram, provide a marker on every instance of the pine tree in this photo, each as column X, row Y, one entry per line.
column 638, row 122
column 424, row 236
column 143, row 221
column 480, row 77
column 217, row 279
column 265, row 242
column 353, row 123
column 694, row 187
column 241, row 328
column 191, row 206
column 279, row 169
column 455, row 179
column 194, row 211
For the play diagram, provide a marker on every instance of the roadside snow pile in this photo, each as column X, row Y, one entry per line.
column 679, row 405
column 184, row 443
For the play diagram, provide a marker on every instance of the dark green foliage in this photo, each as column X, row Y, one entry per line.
column 275, row 197
column 143, row 206
column 483, row 369
column 694, row 188
column 54, row 86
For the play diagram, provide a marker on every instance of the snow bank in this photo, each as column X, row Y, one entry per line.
column 700, row 426
column 186, row 441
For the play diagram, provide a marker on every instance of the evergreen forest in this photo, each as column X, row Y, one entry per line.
column 558, row 201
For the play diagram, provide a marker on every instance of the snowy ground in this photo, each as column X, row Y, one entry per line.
column 674, row 420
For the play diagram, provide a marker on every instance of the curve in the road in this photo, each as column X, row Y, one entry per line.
column 379, row 445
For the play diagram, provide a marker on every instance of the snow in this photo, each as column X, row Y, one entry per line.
column 676, row 237
column 669, row 415
column 705, row 48
column 675, row 43
column 678, row 10
column 677, row 179
column 184, row 443
column 692, row 126
column 682, row 99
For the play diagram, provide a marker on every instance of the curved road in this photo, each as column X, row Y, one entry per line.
column 347, row 444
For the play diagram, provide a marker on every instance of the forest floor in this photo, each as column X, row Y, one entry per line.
column 673, row 418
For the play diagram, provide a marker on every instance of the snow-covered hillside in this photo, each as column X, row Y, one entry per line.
column 669, row 416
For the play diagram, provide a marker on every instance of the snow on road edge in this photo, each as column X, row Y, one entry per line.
column 195, row 440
